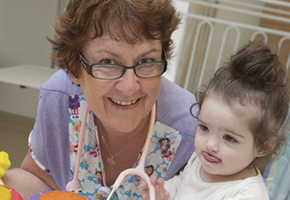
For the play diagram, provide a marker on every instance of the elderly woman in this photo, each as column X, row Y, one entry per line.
column 112, row 54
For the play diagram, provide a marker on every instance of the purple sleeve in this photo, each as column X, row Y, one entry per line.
column 173, row 109
column 49, row 139
column 50, row 136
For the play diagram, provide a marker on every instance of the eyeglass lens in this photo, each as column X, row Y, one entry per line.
column 115, row 71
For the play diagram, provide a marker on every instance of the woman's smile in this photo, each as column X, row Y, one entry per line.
column 123, row 103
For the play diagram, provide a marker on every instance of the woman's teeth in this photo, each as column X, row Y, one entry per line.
column 124, row 103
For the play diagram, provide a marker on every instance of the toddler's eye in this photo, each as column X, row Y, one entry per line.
column 229, row 138
column 203, row 128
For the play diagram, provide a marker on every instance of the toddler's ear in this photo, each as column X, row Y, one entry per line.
column 267, row 148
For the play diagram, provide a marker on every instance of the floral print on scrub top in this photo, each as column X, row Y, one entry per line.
column 161, row 151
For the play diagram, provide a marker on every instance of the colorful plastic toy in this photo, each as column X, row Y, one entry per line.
column 4, row 164
column 6, row 193
column 57, row 194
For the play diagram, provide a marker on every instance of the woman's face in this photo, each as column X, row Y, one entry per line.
column 122, row 104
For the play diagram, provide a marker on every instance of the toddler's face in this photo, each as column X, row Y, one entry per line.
column 224, row 142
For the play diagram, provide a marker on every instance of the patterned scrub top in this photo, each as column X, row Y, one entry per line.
column 162, row 148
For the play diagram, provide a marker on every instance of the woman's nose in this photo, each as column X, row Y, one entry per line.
column 128, row 84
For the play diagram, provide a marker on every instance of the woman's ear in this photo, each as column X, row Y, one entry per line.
column 267, row 148
column 74, row 79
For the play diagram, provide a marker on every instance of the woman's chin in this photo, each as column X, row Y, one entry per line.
column 125, row 128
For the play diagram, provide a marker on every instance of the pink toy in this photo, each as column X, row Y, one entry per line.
column 7, row 193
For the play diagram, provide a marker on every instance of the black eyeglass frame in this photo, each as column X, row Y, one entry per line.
column 89, row 68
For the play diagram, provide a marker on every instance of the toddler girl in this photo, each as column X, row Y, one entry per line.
column 241, row 118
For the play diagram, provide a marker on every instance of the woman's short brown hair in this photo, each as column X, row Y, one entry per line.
column 131, row 20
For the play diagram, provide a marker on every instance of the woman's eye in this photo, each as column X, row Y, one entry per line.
column 107, row 61
column 229, row 138
column 146, row 60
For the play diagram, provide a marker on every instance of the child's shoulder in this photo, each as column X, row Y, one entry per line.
column 252, row 188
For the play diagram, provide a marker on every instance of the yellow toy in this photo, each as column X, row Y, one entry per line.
column 4, row 164
column 6, row 193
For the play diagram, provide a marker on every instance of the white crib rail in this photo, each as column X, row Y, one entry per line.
column 238, row 28
column 245, row 11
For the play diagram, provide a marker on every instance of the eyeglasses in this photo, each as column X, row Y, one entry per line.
column 115, row 71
